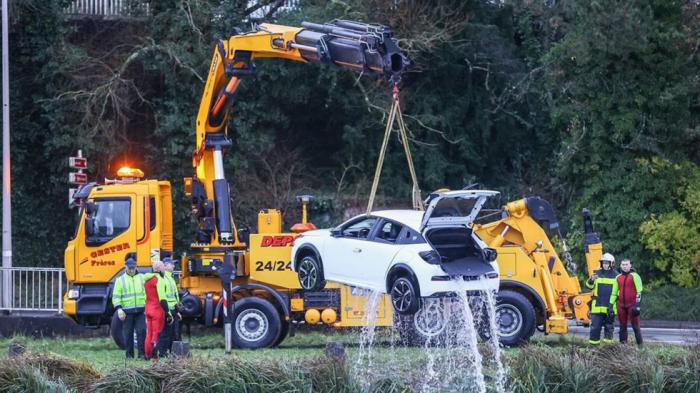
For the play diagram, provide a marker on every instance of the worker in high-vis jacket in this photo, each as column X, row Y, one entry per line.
column 629, row 300
column 170, row 331
column 156, row 307
column 129, row 300
column 603, row 307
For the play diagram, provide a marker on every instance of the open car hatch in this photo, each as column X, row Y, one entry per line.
column 446, row 226
column 454, row 208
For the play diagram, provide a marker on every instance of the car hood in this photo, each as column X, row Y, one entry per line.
column 317, row 233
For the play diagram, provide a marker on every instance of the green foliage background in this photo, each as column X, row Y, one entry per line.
column 585, row 103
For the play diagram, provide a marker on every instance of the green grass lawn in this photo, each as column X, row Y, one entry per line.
column 547, row 359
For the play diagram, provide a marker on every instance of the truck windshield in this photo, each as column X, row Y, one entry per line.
column 111, row 219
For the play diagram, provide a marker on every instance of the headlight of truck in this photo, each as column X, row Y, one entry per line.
column 73, row 293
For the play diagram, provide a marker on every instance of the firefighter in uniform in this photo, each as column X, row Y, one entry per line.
column 628, row 300
column 156, row 307
column 129, row 300
column 604, row 286
column 170, row 330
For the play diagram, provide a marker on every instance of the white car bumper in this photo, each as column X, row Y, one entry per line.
column 436, row 283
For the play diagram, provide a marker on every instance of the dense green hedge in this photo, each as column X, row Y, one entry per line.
column 671, row 303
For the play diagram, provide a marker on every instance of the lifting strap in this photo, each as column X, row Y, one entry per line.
column 395, row 115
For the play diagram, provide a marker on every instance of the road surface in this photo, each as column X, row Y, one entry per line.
column 661, row 335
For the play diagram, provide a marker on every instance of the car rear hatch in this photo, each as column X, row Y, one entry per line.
column 446, row 226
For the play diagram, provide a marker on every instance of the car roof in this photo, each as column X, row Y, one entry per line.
column 411, row 218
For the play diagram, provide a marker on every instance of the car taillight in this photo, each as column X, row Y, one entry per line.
column 432, row 257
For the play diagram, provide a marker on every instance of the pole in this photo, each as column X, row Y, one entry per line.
column 6, row 179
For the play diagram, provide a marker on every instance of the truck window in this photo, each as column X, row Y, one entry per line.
column 112, row 218
column 152, row 207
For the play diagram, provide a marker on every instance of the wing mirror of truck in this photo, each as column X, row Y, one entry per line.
column 91, row 208
column 89, row 226
column 490, row 254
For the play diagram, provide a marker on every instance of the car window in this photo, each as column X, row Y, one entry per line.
column 389, row 231
column 360, row 229
column 409, row 236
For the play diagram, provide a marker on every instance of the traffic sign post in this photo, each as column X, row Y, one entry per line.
column 79, row 178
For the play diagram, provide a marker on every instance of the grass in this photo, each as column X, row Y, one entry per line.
column 548, row 365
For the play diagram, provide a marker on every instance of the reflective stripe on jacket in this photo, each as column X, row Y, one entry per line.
column 171, row 290
column 605, row 290
column 129, row 292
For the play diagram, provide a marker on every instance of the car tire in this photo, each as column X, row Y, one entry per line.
column 115, row 330
column 422, row 329
column 515, row 318
column 404, row 295
column 256, row 323
column 310, row 272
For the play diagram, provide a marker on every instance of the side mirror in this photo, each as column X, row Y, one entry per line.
column 90, row 226
column 336, row 232
column 490, row 254
column 91, row 208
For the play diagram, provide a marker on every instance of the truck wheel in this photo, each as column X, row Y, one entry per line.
column 404, row 296
column 256, row 323
column 310, row 273
column 115, row 330
column 284, row 330
column 426, row 326
column 515, row 318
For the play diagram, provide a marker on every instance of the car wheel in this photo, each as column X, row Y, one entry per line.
column 310, row 272
column 404, row 296
column 427, row 326
column 115, row 330
column 256, row 323
column 284, row 331
column 515, row 318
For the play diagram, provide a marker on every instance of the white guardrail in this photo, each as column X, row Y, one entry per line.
column 33, row 288
column 108, row 8
column 36, row 289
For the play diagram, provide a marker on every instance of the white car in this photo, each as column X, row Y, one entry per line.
column 408, row 254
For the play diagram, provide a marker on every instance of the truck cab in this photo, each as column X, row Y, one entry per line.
column 124, row 217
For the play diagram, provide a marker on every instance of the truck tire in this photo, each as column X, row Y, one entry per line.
column 427, row 326
column 515, row 318
column 256, row 323
column 310, row 272
column 115, row 330
column 284, row 331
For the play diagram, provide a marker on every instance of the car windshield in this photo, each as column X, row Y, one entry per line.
column 453, row 207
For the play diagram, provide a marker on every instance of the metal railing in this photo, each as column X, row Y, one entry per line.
column 34, row 289
column 110, row 9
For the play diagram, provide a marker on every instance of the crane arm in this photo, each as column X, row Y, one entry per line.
column 368, row 48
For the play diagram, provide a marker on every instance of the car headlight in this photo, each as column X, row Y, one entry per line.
column 73, row 294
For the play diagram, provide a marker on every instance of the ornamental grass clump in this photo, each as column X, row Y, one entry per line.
column 45, row 373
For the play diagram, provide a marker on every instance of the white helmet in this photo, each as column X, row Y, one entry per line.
column 608, row 257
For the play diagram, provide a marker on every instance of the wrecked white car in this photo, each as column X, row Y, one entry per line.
column 408, row 254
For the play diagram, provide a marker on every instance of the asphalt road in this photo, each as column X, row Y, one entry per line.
column 650, row 334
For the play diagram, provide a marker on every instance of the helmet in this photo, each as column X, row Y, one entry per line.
column 607, row 257
column 168, row 260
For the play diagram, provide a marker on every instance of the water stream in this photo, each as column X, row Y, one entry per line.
column 444, row 351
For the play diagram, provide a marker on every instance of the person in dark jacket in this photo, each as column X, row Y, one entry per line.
column 628, row 300
column 604, row 286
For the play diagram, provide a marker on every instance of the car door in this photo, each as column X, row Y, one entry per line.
column 379, row 252
column 342, row 254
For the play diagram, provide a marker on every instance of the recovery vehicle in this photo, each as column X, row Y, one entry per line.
column 132, row 216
